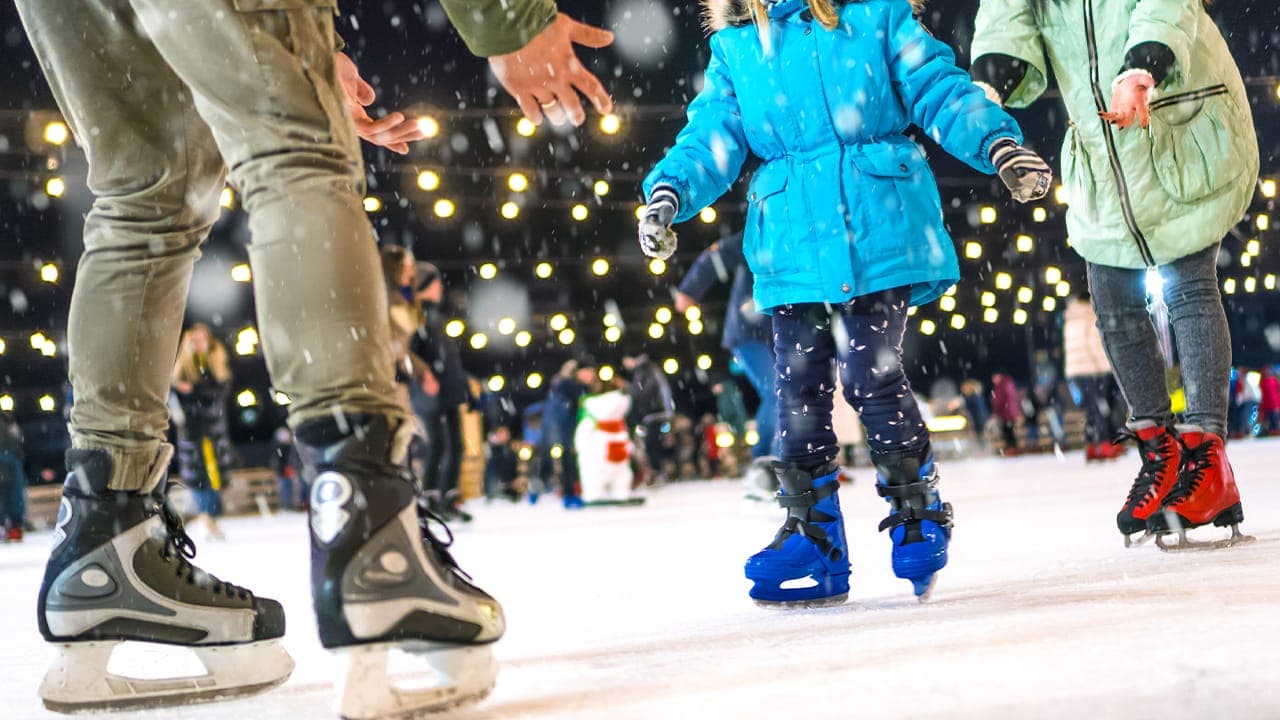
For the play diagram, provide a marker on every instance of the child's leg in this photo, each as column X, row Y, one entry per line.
column 805, row 353
column 876, row 386
column 1200, row 327
column 871, row 370
column 1120, row 301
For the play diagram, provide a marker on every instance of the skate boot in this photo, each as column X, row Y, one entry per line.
column 760, row 483
column 119, row 572
column 807, row 564
column 1205, row 493
column 383, row 581
column 1161, row 457
column 919, row 523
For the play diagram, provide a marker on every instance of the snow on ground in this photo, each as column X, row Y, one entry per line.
column 642, row 612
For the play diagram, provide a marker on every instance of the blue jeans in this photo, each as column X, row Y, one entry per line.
column 13, row 498
column 756, row 359
column 208, row 502
column 870, row 366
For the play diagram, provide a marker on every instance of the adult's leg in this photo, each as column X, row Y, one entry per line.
column 264, row 81
column 453, row 454
column 1204, row 340
column 156, row 175
column 1095, row 407
column 756, row 360
column 1120, row 302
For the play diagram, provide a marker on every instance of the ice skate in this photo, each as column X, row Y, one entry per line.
column 384, row 583
column 760, row 483
column 119, row 572
column 919, row 523
column 807, row 564
column 1161, row 457
column 1205, row 494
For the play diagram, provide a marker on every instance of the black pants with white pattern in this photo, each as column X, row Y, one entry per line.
column 862, row 340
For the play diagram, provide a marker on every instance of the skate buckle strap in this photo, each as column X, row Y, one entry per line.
column 914, row 489
column 910, row 514
column 806, row 499
column 816, row 535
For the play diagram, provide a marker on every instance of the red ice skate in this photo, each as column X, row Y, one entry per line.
column 14, row 534
column 1161, row 458
column 1205, row 493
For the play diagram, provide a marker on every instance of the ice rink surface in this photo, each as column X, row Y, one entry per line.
column 643, row 613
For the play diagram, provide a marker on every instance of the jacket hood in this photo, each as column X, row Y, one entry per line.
column 720, row 14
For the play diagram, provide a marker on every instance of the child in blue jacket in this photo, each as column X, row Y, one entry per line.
column 844, row 231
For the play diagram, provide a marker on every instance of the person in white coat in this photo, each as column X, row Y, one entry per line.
column 1089, row 371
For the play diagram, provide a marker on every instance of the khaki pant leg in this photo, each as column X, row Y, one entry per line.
column 156, row 175
column 264, row 80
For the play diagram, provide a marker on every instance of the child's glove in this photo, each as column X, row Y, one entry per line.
column 1026, row 175
column 657, row 239
column 1129, row 97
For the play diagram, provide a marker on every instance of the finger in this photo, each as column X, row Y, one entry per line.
column 529, row 106
column 1144, row 115
column 364, row 91
column 397, row 148
column 589, row 35
column 384, row 124
column 590, row 86
column 552, row 105
column 569, row 104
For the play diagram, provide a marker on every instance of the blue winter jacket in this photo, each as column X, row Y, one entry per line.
column 844, row 204
column 724, row 262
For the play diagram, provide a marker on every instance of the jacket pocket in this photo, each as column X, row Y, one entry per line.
column 903, row 211
column 1077, row 176
column 768, row 242
column 1195, row 145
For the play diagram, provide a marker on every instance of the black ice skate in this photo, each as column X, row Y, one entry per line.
column 383, row 581
column 119, row 571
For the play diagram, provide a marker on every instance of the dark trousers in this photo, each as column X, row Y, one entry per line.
column 444, row 450
column 868, row 357
column 1096, row 397
column 568, row 469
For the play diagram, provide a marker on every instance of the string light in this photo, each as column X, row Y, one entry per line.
column 227, row 198
column 605, row 373
column 1229, row 286
column 488, row 271
column 48, row 404
column 657, row 266
column 1063, row 288
column 282, row 399
column 695, row 327
column 671, row 366
column 610, row 124
column 1026, row 294
column 525, row 127
column 1050, row 303
column 601, row 187
column 1060, row 195
column 662, row 315
column 479, row 341
column 543, row 270
column 6, row 403
column 56, row 187
column 510, row 210
column 241, row 273
column 1024, row 243
column 428, row 180
column 1052, row 275
column 534, row 381
column 1268, row 188
column 1263, row 221
column 958, row 322
column 990, row 315
column 1253, row 247
column 609, row 320
column 566, row 336
column 523, row 338
column 613, row 334
column 928, row 327
column 693, row 313
column 247, row 398
column 1268, row 282
column 656, row 331
column 1019, row 317
column 56, row 133
column 947, row 303
column 49, row 273
column 1250, row 284
column 988, row 299
column 579, row 212
column 1004, row 281
column 518, row 182
column 987, row 215
column 599, row 267
column 428, row 126
column 558, row 322
column 1039, row 215
column 496, row 383
column 973, row 250
column 708, row 215
column 371, row 204
column 444, row 208
column 454, row 328
column 506, row 326
column 704, row 362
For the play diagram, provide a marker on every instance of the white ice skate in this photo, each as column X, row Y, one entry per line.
column 433, row 678
column 118, row 573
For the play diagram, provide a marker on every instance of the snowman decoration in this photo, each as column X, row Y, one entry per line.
column 604, row 450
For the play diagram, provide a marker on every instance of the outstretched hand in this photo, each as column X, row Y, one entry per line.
column 1129, row 101
column 545, row 76
column 393, row 132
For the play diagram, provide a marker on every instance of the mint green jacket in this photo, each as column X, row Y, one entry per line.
column 1137, row 197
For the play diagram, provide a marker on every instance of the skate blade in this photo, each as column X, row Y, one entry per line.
column 924, row 589
column 78, row 679
column 1130, row 542
column 825, row 602
column 1186, row 544
column 458, row 675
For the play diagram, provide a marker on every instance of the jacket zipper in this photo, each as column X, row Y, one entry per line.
column 1126, row 203
column 1201, row 94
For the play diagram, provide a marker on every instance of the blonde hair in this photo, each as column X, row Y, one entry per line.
column 187, row 369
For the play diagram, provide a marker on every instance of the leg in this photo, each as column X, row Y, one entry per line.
column 876, row 386
column 757, row 360
column 1200, row 329
column 807, row 563
column 1119, row 299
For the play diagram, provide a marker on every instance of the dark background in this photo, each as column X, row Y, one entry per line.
column 416, row 62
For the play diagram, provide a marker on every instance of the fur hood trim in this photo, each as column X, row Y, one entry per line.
column 720, row 14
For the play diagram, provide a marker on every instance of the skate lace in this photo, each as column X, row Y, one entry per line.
column 180, row 547
column 1195, row 460
column 427, row 517
column 1154, row 458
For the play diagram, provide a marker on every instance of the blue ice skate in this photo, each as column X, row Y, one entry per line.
column 807, row 564
column 919, row 523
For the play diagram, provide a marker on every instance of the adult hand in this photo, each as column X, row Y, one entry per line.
column 545, row 76
column 1130, row 94
column 684, row 302
column 393, row 132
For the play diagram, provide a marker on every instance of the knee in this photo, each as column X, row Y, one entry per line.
column 1192, row 294
column 174, row 212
